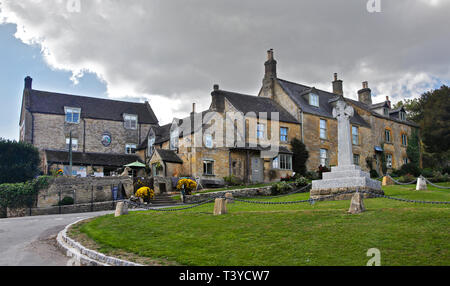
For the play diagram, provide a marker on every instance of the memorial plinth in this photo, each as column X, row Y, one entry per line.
column 346, row 177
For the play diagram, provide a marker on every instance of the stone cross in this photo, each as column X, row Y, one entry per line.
column 343, row 112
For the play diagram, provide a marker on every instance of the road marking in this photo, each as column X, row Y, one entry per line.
column 60, row 218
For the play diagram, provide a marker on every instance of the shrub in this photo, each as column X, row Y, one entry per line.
column 406, row 178
column 279, row 188
column 427, row 172
column 67, row 201
column 312, row 176
column 287, row 179
column 19, row 162
column 187, row 185
column 374, row 174
column 232, row 181
column 301, row 182
column 439, row 178
column 410, row 168
column 145, row 193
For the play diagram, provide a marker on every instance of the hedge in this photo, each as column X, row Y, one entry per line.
column 21, row 195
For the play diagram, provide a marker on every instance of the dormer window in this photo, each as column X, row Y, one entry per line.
column 72, row 114
column 314, row 99
column 151, row 145
column 386, row 111
column 130, row 121
column 402, row 116
column 174, row 138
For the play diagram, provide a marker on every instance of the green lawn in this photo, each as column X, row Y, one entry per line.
column 304, row 234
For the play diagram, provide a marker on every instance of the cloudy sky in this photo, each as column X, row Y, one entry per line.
column 172, row 52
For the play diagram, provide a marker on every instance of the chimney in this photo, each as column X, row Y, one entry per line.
column 216, row 87
column 388, row 101
column 337, row 85
column 218, row 100
column 28, row 83
column 193, row 109
column 270, row 75
column 365, row 94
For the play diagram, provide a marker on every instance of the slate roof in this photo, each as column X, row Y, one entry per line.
column 95, row 108
column 297, row 91
column 249, row 103
column 95, row 159
column 169, row 156
column 162, row 134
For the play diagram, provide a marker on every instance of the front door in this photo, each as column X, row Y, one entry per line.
column 257, row 170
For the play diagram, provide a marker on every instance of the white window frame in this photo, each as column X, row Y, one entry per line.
column 205, row 170
column 208, row 141
column 260, row 134
column 358, row 161
column 282, row 162
column 130, row 121
column 314, row 99
column 404, row 139
column 174, row 140
column 387, row 139
column 355, row 137
column 129, row 148
column 323, row 159
column 323, row 130
column 151, row 145
column 389, row 160
column 72, row 110
column 386, row 111
column 74, row 144
column 402, row 116
column 284, row 137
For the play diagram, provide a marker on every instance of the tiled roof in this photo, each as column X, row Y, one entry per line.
column 169, row 156
column 95, row 159
column 162, row 134
column 95, row 108
column 297, row 91
column 248, row 103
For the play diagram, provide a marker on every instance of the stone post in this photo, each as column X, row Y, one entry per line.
column 121, row 209
column 357, row 204
column 220, row 206
column 387, row 181
column 421, row 184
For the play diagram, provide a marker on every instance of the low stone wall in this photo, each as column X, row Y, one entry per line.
column 250, row 192
column 80, row 208
column 82, row 190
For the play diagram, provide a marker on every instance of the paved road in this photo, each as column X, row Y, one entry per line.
column 31, row 241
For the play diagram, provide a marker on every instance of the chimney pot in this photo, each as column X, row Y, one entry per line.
column 335, row 76
column 338, row 87
column 365, row 84
column 216, row 87
column 193, row 107
column 270, row 54
column 28, row 82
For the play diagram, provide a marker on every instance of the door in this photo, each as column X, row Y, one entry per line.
column 257, row 170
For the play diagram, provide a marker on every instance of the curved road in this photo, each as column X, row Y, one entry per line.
column 31, row 241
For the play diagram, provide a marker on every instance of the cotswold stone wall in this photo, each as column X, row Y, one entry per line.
column 251, row 192
column 51, row 131
column 82, row 190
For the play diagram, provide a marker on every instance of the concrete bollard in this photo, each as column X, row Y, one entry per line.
column 229, row 198
column 387, row 181
column 357, row 204
column 220, row 206
column 421, row 184
column 121, row 209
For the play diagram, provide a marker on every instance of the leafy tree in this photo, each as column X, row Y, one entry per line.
column 19, row 162
column 300, row 156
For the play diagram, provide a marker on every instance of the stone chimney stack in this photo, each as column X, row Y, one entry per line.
column 218, row 100
column 270, row 75
column 365, row 94
column 338, row 85
column 28, row 83
column 193, row 109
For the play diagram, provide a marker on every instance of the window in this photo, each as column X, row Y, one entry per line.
column 405, row 160
column 356, row 159
column 130, row 121
column 174, row 137
column 355, row 135
column 260, row 131
column 284, row 134
column 208, row 141
column 389, row 160
column 386, row 111
column 323, row 129
column 283, row 162
column 74, row 144
column 314, row 99
column 72, row 115
column 151, row 147
column 402, row 116
column 208, row 168
column 324, row 157
column 387, row 135
column 130, row 149
column 404, row 139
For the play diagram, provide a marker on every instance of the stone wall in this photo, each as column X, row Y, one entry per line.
column 82, row 190
column 250, row 192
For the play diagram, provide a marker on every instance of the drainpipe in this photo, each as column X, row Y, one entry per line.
column 84, row 135
column 301, row 119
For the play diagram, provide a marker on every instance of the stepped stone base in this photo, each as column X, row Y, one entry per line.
column 344, row 179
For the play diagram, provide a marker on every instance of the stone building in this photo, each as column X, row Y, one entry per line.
column 105, row 133
column 379, row 134
column 377, row 130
